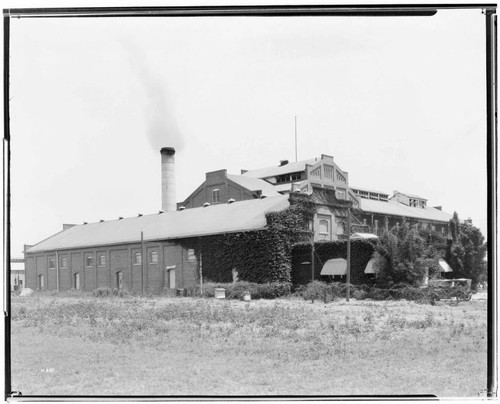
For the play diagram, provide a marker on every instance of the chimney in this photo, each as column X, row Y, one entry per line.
column 168, row 203
column 283, row 163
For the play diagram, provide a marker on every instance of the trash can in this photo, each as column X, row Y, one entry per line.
column 220, row 293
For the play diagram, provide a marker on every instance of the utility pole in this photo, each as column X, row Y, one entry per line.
column 312, row 249
column 348, row 280
column 143, row 257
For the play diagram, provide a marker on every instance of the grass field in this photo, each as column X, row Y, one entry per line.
column 82, row 345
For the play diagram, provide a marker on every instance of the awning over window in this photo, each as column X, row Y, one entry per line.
column 364, row 236
column 371, row 267
column 444, row 266
column 335, row 266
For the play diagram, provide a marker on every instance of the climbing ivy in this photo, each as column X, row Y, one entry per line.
column 258, row 256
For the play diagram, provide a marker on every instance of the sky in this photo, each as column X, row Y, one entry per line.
column 399, row 103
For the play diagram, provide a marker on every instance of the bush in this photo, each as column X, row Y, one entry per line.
column 320, row 290
column 102, row 292
column 360, row 294
column 236, row 290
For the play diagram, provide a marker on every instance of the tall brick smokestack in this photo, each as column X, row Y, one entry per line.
column 168, row 203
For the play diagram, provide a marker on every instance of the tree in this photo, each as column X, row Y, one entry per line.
column 403, row 256
column 467, row 251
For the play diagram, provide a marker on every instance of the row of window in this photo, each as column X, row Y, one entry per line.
column 101, row 259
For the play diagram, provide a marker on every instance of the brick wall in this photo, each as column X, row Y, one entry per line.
column 152, row 276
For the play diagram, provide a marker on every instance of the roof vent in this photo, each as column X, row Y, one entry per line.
column 283, row 163
column 85, row 222
column 182, row 207
column 120, row 217
column 231, row 200
column 206, row 204
column 161, row 211
column 139, row 214
column 101, row 220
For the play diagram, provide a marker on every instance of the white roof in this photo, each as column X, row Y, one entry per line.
column 399, row 209
column 254, row 184
column 293, row 167
column 334, row 266
column 214, row 219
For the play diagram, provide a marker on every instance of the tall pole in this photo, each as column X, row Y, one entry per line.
column 143, row 258
column 57, row 271
column 348, row 280
column 295, row 137
column 201, row 268
column 312, row 249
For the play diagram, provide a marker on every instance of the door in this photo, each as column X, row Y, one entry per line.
column 119, row 280
column 76, row 281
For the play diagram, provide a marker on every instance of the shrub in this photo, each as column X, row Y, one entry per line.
column 102, row 292
column 236, row 290
column 360, row 294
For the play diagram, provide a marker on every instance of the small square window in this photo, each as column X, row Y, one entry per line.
column 102, row 260
column 89, row 261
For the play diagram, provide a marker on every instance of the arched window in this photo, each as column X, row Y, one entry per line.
column 323, row 226
column 216, row 196
column 137, row 258
column 153, row 257
column 64, row 263
column 52, row 263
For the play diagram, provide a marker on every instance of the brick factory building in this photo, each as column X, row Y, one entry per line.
column 158, row 252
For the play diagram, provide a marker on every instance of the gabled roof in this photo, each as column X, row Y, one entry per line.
column 254, row 184
column 267, row 172
column 399, row 209
column 215, row 219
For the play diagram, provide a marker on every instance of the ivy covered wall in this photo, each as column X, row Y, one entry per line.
column 361, row 252
column 258, row 256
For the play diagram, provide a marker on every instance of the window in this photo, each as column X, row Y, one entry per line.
column 153, row 257
column 64, row 263
column 191, row 256
column 89, row 261
column 137, row 258
column 328, row 172
column 216, row 196
column 102, row 260
column 376, row 224
column 52, row 263
column 323, row 227
column 364, row 222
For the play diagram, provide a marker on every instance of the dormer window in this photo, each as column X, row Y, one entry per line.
column 216, row 196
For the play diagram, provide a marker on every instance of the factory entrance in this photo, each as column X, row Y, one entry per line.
column 172, row 275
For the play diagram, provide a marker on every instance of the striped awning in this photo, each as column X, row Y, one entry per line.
column 444, row 266
column 335, row 266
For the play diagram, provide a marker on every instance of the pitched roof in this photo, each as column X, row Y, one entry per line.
column 278, row 170
column 399, row 209
column 214, row 219
column 254, row 184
